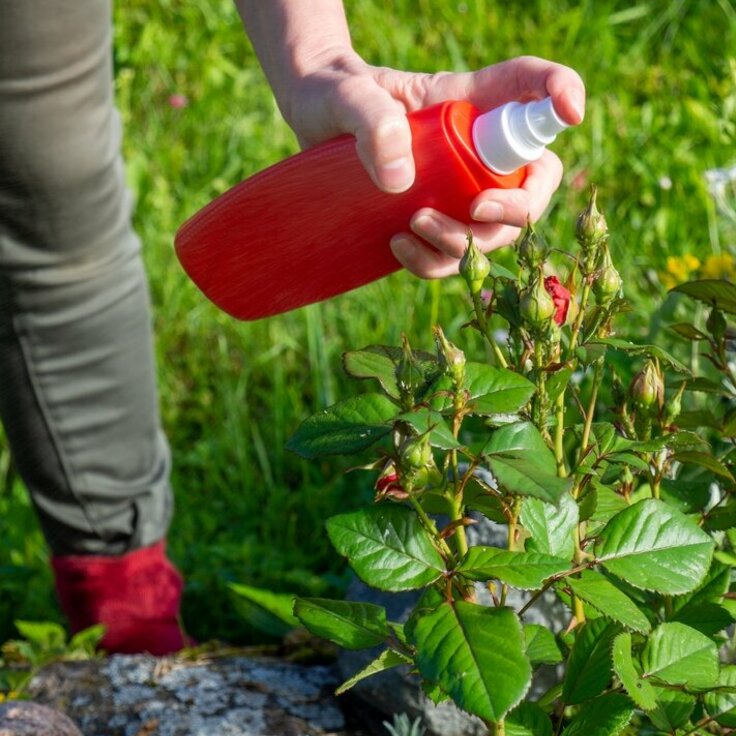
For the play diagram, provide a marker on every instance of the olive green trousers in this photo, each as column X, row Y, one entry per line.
column 77, row 376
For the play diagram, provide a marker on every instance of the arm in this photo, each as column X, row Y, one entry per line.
column 324, row 88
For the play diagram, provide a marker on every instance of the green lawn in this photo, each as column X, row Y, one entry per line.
column 661, row 80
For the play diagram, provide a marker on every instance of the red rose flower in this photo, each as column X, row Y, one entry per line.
column 560, row 296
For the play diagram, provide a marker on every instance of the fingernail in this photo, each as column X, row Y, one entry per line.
column 397, row 175
column 426, row 226
column 577, row 101
column 488, row 211
column 400, row 243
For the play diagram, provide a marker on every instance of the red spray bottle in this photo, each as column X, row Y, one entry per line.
column 315, row 225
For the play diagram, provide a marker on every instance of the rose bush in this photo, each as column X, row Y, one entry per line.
column 610, row 471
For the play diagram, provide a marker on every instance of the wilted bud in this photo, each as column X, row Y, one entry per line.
column 716, row 323
column 647, row 389
column 560, row 297
column 451, row 358
column 474, row 266
column 532, row 250
column 389, row 485
column 409, row 376
column 607, row 284
column 591, row 228
column 415, row 453
column 536, row 305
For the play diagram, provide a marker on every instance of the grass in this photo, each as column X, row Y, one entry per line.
column 661, row 80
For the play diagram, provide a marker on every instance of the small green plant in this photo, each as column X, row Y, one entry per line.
column 43, row 642
column 402, row 726
column 611, row 476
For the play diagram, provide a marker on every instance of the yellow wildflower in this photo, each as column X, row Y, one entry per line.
column 719, row 267
column 679, row 269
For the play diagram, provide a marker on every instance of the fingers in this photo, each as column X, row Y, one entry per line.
column 529, row 77
column 521, row 206
column 522, row 78
column 436, row 254
column 437, row 242
column 381, row 129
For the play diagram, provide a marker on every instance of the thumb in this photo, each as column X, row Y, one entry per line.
column 383, row 136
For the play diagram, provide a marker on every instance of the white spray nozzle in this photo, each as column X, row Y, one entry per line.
column 516, row 134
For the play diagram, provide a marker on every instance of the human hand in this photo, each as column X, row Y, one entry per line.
column 343, row 94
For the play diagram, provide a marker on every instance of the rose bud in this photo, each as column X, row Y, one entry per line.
column 474, row 266
column 536, row 306
column 591, row 228
column 647, row 389
column 608, row 282
column 451, row 358
column 532, row 250
column 560, row 297
column 409, row 377
column 416, row 453
column 389, row 485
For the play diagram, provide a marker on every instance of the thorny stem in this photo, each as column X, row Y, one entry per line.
column 584, row 296
column 429, row 525
column 457, row 499
column 590, row 414
column 480, row 315
column 511, row 542
column 540, row 404
column 554, row 579
column 559, row 435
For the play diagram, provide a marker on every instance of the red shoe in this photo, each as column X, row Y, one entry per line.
column 136, row 596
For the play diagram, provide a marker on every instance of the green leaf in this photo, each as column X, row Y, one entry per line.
column 541, row 645
column 528, row 719
column 379, row 362
column 43, row 634
column 387, row 547
column 655, row 547
column 344, row 428
column 596, row 590
column 557, row 382
column 386, row 660
column 496, row 390
column 589, row 664
column 523, row 464
column 266, row 611
column 688, row 331
column 425, row 420
column 673, row 709
column 551, row 528
column 721, row 703
column 715, row 292
column 348, row 624
column 490, row 390
column 676, row 654
column 525, row 570
column 721, row 518
column 639, row 690
column 607, row 715
column 608, row 503
column 705, row 461
column 476, row 654
column 653, row 351
column 707, row 618
column 87, row 640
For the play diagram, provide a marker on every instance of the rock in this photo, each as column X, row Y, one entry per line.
column 223, row 695
column 398, row 691
column 23, row 718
